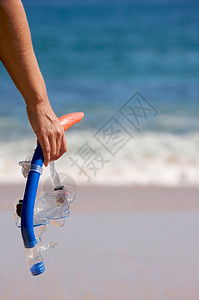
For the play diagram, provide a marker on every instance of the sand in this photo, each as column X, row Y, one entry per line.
column 119, row 243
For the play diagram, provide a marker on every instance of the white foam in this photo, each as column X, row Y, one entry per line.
column 148, row 159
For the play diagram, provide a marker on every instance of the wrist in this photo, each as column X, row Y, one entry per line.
column 37, row 100
column 40, row 108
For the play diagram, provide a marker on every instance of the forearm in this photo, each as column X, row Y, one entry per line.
column 17, row 54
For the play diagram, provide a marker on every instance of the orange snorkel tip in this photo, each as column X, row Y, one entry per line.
column 70, row 119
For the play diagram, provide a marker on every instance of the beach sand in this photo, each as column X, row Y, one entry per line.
column 119, row 243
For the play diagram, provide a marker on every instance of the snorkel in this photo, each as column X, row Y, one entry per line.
column 32, row 215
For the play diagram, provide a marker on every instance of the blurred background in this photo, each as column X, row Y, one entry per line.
column 133, row 233
column 94, row 55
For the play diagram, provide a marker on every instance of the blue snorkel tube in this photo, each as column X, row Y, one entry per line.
column 33, row 254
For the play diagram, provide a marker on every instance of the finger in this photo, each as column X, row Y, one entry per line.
column 64, row 145
column 53, row 146
column 45, row 145
column 63, row 148
column 59, row 142
column 60, row 135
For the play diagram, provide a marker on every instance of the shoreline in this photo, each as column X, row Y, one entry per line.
column 97, row 198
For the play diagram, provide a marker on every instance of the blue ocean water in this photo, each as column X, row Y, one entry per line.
column 95, row 55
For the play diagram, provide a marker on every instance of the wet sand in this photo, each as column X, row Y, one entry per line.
column 115, row 199
column 119, row 243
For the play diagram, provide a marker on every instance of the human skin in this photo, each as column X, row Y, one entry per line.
column 18, row 57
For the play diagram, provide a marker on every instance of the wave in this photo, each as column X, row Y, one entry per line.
column 146, row 159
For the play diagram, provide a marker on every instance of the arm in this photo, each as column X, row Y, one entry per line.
column 17, row 55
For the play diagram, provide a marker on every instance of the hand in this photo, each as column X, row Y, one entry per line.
column 48, row 130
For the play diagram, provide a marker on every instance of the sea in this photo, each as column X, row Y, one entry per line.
column 132, row 67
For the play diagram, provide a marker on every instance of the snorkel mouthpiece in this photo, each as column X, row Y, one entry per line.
column 35, row 261
column 31, row 244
